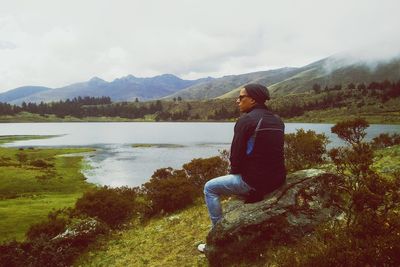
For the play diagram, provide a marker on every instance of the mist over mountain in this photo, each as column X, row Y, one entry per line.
column 338, row 71
column 328, row 72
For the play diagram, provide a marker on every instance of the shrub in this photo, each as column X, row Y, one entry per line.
column 21, row 157
column 304, row 149
column 38, row 253
column 12, row 254
column 112, row 206
column 169, row 190
column 47, row 229
column 199, row 171
column 351, row 131
column 370, row 233
column 40, row 163
column 385, row 140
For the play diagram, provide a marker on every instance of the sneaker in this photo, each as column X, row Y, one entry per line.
column 201, row 247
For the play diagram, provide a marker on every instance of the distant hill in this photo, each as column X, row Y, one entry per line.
column 336, row 71
column 328, row 72
column 218, row 87
column 22, row 92
column 122, row 89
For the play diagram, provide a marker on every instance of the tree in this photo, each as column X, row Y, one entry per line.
column 352, row 131
column 351, row 86
column 304, row 149
column 316, row 88
column 364, row 191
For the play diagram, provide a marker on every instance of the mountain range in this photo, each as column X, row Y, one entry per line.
column 329, row 72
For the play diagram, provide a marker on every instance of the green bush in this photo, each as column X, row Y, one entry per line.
column 199, row 171
column 111, row 205
column 169, row 190
column 47, row 229
column 369, row 232
column 304, row 149
column 385, row 140
column 40, row 163
column 38, row 253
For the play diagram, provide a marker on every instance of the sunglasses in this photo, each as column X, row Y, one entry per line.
column 240, row 97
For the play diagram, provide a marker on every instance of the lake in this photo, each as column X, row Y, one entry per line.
column 122, row 156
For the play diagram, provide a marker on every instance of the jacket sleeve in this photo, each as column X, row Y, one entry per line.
column 242, row 133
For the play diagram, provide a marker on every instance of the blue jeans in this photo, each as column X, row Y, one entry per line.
column 231, row 184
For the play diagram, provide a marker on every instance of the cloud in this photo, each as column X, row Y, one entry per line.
column 53, row 43
column 7, row 45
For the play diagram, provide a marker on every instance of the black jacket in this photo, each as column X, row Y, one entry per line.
column 263, row 166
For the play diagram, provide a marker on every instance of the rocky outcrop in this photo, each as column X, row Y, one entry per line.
column 304, row 202
column 81, row 231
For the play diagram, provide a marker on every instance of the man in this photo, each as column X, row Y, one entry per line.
column 256, row 156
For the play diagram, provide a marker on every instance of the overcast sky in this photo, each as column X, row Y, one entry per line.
column 55, row 43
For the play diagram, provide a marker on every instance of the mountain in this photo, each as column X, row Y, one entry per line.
column 218, row 87
column 337, row 71
column 331, row 71
column 122, row 89
column 22, row 92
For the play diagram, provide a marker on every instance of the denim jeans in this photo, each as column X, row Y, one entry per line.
column 231, row 184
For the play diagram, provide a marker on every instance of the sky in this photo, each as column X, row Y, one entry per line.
column 55, row 43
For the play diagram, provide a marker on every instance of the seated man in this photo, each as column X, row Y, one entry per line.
column 256, row 156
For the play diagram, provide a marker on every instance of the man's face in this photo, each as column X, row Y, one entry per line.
column 244, row 101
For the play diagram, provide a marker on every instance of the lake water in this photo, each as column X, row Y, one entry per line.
column 117, row 162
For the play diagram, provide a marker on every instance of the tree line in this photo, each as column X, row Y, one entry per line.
column 179, row 110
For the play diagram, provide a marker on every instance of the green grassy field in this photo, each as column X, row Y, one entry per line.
column 34, row 182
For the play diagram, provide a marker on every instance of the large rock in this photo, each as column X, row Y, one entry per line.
column 246, row 230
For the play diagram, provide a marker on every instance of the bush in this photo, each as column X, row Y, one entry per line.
column 169, row 190
column 385, row 140
column 47, row 229
column 38, row 253
column 304, row 149
column 369, row 235
column 39, row 163
column 351, row 131
column 200, row 171
column 112, row 206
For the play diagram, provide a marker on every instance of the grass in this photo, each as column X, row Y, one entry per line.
column 172, row 240
column 34, row 182
column 167, row 241
column 340, row 114
column 387, row 161
column 11, row 138
column 20, row 213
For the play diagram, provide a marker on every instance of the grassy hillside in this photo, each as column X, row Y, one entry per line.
column 33, row 182
column 331, row 72
column 167, row 241
column 172, row 240
column 338, row 105
column 220, row 86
